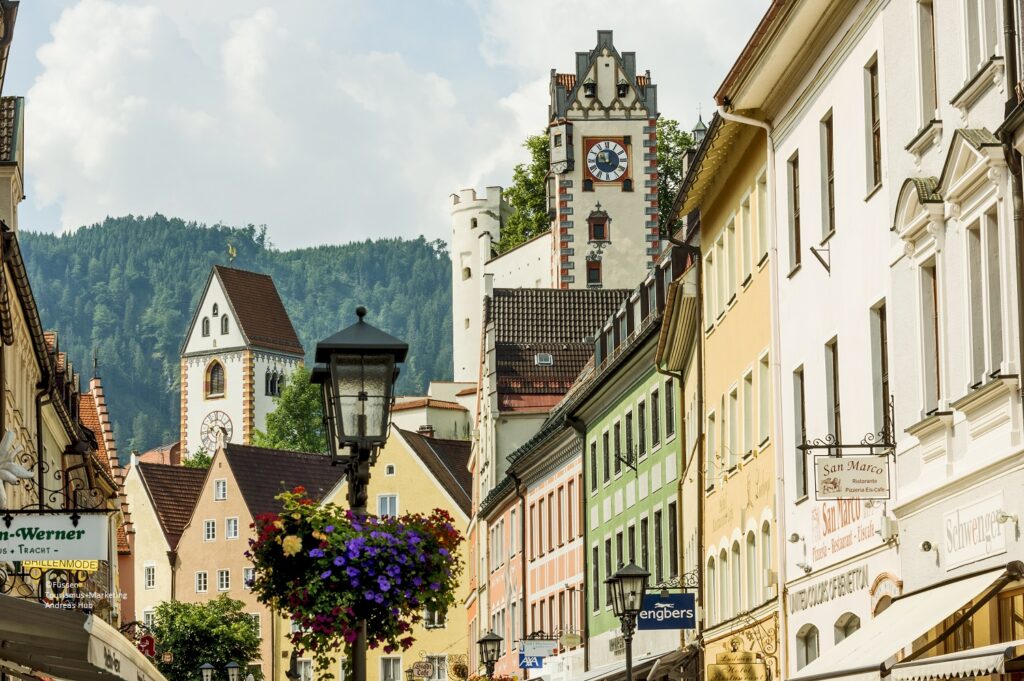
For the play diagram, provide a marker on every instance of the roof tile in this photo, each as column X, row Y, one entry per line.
column 262, row 474
column 257, row 304
column 448, row 462
column 174, row 491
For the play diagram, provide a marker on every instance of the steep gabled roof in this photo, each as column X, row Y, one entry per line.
column 258, row 309
column 447, row 461
column 552, row 321
column 173, row 491
column 261, row 474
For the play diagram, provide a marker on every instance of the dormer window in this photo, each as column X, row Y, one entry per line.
column 623, row 88
column 206, row 326
column 589, row 88
column 224, row 325
column 216, row 309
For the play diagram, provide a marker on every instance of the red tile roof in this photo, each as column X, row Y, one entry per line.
column 169, row 454
column 447, row 461
column 258, row 309
column 93, row 415
column 174, row 491
column 262, row 474
column 566, row 80
column 427, row 402
column 466, row 391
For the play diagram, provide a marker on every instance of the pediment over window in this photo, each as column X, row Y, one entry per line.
column 919, row 210
column 975, row 157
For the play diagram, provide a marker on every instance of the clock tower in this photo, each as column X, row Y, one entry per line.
column 603, row 143
column 240, row 348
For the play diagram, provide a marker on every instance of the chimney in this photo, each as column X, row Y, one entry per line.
column 426, row 431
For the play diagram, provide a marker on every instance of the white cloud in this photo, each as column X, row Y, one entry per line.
column 244, row 111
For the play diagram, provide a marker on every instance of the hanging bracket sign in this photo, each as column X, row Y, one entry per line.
column 851, row 476
column 54, row 536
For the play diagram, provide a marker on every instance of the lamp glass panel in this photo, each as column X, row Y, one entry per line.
column 362, row 395
column 617, row 596
column 633, row 588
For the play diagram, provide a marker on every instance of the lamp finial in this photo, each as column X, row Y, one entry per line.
column 360, row 312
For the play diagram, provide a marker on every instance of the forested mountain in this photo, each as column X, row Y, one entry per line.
column 125, row 290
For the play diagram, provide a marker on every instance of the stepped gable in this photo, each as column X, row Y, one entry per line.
column 174, row 491
column 557, row 322
column 262, row 474
column 258, row 309
column 93, row 414
column 448, row 462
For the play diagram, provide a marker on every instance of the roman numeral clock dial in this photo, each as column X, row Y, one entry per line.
column 213, row 424
column 607, row 161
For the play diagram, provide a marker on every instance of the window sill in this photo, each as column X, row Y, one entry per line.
column 763, row 260
column 874, row 190
column 708, row 491
column 828, row 237
column 748, row 455
column 732, row 301
column 218, row 396
column 801, row 500
column 792, row 272
column 746, row 281
column 764, row 444
column 927, row 137
column 987, row 75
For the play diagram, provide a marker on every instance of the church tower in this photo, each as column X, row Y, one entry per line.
column 604, row 170
column 240, row 347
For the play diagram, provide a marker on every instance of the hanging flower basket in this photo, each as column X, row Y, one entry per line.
column 329, row 570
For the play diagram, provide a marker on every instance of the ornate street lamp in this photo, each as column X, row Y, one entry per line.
column 409, row 674
column 207, row 670
column 490, row 648
column 356, row 369
column 232, row 668
column 628, row 586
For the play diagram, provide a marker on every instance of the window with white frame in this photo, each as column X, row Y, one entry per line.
column 724, row 608
column 305, row 670
column 149, row 575
column 746, row 238
column 926, row 61
column 223, row 580
column 220, row 490
column 710, row 469
column 231, row 528
column 754, row 595
column 209, row 530
column 846, row 625
column 255, row 618
column 762, row 217
column 793, row 174
column 985, row 296
column 800, row 418
column 748, row 414
column 711, row 595
column 434, row 619
column 806, row 645
column 766, row 550
column 387, row 505
column 930, row 324
column 439, row 667
column 982, row 33
column 764, row 412
column 733, row 428
column 202, row 583
column 736, row 577
column 248, row 577
column 512, row 534
column 721, row 284
column 391, row 669
column 828, row 178
column 730, row 256
column 389, row 469
column 149, row 618
column 710, row 297
column 873, row 109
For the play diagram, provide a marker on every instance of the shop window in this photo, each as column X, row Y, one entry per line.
column 1011, row 616
column 846, row 625
column 807, row 648
column 962, row 637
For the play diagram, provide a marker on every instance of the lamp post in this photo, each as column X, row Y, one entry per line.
column 490, row 646
column 232, row 668
column 628, row 586
column 409, row 674
column 356, row 369
column 207, row 670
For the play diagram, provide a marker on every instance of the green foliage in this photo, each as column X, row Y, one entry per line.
column 296, row 424
column 527, row 196
column 127, row 289
column 672, row 143
column 216, row 632
column 199, row 459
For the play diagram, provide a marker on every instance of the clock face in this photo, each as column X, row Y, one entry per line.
column 212, row 424
column 607, row 161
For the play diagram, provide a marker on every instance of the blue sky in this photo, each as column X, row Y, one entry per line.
column 326, row 120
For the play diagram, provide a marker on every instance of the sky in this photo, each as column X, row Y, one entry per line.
column 326, row 120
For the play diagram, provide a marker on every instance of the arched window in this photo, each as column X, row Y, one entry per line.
column 466, row 273
column 806, row 645
column 266, row 383
column 766, row 546
column 206, row 326
column 846, row 625
column 472, row 223
column 710, row 595
column 215, row 379
column 223, row 325
column 736, row 574
column 724, row 609
column 216, row 309
column 754, row 594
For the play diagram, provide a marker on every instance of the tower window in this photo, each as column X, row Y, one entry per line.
column 224, row 325
column 206, row 326
column 215, row 379
column 599, row 231
column 472, row 223
column 623, row 89
column 216, row 309
column 589, row 89
column 627, row 185
column 466, row 273
column 594, row 273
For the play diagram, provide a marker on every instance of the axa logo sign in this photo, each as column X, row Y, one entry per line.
column 675, row 611
column 530, row 661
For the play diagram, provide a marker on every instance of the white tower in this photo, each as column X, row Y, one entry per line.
column 476, row 224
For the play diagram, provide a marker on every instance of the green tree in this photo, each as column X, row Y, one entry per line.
column 296, row 423
column 672, row 144
column 199, row 459
column 527, row 196
column 216, row 633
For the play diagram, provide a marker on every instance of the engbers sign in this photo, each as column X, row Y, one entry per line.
column 853, row 476
column 54, row 537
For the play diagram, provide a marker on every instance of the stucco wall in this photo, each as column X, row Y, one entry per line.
column 150, row 548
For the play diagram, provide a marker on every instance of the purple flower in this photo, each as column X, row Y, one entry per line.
column 384, row 584
column 370, row 595
column 351, row 571
column 325, row 574
column 443, row 552
column 339, row 561
column 316, row 553
column 329, row 529
column 416, row 581
column 434, row 586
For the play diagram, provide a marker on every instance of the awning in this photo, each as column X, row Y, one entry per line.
column 611, row 672
column 67, row 644
column 871, row 651
column 672, row 665
column 678, row 335
column 995, row 659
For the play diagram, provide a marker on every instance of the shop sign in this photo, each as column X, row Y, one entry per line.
column 423, row 668
column 76, row 565
column 737, row 671
column 570, row 640
column 674, row 611
column 530, row 661
column 853, row 476
column 973, row 532
column 617, row 645
column 840, row 527
column 825, row 590
column 538, row 647
column 53, row 536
